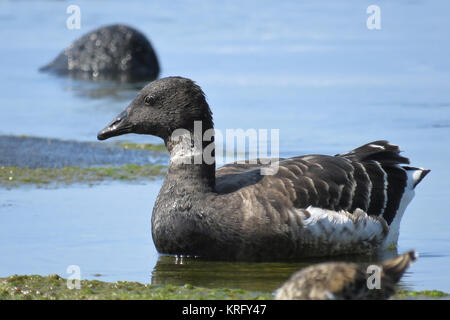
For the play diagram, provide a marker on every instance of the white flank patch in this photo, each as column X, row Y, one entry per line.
column 342, row 228
column 394, row 229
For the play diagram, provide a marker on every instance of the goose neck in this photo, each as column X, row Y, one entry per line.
column 192, row 158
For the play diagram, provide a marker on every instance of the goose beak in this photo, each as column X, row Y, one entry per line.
column 120, row 125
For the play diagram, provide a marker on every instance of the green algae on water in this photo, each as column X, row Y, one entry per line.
column 436, row 294
column 54, row 287
column 143, row 146
column 15, row 177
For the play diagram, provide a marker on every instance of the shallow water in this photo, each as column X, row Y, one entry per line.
column 112, row 241
column 312, row 70
column 32, row 152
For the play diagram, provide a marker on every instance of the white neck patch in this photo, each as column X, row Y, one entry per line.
column 183, row 150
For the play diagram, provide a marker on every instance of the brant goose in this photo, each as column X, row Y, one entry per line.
column 345, row 281
column 315, row 205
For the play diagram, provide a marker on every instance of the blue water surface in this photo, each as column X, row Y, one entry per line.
column 312, row 70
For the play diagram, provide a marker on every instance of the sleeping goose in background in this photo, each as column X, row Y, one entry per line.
column 315, row 205
column 345, row 281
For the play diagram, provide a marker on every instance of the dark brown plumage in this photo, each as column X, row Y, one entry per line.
column 345, row 281
column 311, row 205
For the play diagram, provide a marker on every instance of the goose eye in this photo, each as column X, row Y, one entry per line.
column 149, row 100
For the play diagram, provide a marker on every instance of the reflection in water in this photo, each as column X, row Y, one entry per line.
column 118, row 91
column 256, row 276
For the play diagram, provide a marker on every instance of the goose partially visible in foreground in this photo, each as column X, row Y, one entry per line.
column 345, row 281
column 315, row 205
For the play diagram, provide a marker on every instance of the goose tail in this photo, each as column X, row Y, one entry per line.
column 416, row 175
column 393, row 183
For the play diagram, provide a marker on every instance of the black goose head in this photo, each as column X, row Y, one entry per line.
column 160, row 108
